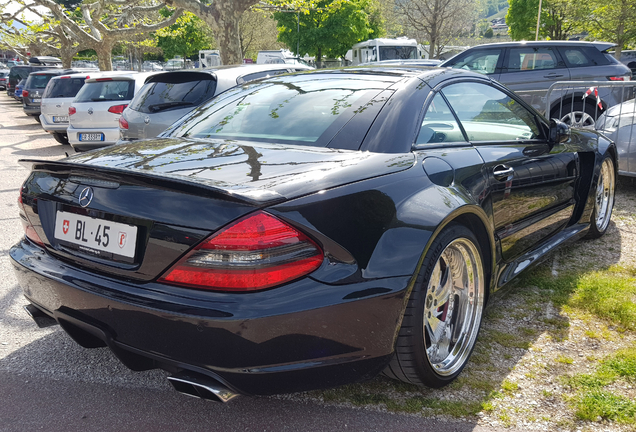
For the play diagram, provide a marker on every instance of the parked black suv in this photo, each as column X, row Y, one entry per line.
column 18, row 73
column 530, row 68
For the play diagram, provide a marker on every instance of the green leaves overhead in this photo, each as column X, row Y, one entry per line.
column 328, row 27
column 185, row 37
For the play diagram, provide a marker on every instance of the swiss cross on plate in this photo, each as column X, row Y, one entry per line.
column 65, row 226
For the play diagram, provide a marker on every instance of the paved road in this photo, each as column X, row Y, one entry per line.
column 48, row 382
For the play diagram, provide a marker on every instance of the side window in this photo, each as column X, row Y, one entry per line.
column 482, row 61
column 532, row 58
column 488, row 114
column 439, row 124
column 577, row 57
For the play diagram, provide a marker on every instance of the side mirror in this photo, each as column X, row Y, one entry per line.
column 559, row 131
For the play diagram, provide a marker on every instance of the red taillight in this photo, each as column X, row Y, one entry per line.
column 25, row 93
column 620, row 78
column 27, row 225
column 104, row 79
column 117, row 109
column 123, row 124
column 65, row 77
column 71, row 110
column 256, row 252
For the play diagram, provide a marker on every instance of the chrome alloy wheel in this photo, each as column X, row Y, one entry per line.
column 578, row 119
column 604, row 201
column 453, row 306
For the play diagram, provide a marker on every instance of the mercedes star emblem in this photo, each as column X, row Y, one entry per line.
column 86, row 197
column 146, row 119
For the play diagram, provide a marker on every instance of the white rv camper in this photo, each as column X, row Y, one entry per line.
column 375, row 50
column 209, row 58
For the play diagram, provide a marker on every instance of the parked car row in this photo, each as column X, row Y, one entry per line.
column 85, row 109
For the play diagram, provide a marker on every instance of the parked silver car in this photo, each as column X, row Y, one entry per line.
column 95, row 111
column 619, row 124
column 56, row 100
column 165, row 97
column 530, row 68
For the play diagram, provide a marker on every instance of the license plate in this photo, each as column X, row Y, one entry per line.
column 36, row 100
column 98, row 237
column 91, row 137
column 60, row 119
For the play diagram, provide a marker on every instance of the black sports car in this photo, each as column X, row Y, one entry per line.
column 309, row 230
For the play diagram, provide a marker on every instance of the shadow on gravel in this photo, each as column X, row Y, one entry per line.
column 24, row 127
column 89, row 386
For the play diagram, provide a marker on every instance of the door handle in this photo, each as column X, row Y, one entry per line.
column 553, row 75
column 503, row 173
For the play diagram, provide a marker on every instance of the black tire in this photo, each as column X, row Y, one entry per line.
column 37, row 118
column 62, row 138
column 416, row 353
column 577, row 114
column 603, row 199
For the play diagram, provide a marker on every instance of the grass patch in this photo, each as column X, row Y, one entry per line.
column 509, row 387
column 598, row 403
column 608, row 294
column 593, row 401
column 506, row 339
column 563, row 359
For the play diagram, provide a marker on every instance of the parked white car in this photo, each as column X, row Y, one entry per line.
column 95, row 111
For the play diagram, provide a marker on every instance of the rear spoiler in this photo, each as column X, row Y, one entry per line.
column 192, row 185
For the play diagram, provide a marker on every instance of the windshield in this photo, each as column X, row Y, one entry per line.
column 160, row 96
column 63, row 87
column 397, row 52
column 290, row 109
column 107, row 90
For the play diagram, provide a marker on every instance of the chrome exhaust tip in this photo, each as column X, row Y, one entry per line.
column 201, row 387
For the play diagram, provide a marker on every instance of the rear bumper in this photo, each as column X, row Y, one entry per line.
column 304, row 335
column 32, row 110
column 111, row 135
column 52, row 127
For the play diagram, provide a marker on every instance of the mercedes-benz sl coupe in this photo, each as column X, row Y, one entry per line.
column 309, row 230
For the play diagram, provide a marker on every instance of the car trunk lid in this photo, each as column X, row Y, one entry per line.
column 167, row 195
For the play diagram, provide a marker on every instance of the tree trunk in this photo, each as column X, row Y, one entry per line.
column 227, row 35
column 67, row 58
column 104, row 56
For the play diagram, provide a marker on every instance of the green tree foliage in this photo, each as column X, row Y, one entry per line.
column 185, row 37
column 613, row 21
column 559, row 18
column 330, row 28
column 488, row 33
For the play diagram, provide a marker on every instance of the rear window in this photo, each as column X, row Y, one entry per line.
column 290, row 109
column 102, row 91
column 174, row 91
column 63, row 87
column 38, row 81
column 583, row 56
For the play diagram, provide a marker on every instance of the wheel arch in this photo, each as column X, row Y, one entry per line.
column 475, row 219
column 571, row 99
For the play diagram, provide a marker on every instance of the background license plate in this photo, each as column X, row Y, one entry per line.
column 35, row 100
column 91, row 137
column 60, row 119
column 95, row 236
